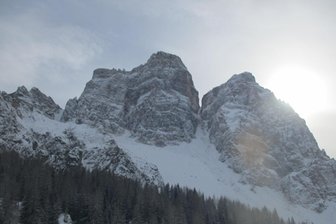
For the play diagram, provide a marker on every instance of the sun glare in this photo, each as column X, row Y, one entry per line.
column 302, row 88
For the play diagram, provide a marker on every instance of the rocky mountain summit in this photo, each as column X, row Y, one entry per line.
column 125, row 121
column 267, row 142
column 156, row 101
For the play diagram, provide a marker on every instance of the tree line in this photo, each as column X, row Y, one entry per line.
column 32, row 192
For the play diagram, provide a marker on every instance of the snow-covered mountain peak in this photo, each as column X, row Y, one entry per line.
column 245, row 90
column 163, row 59
column 241, row 92
column 156, row 101
column 21, row 91
column 242, row 77
column 265, row 140
column 25, row 101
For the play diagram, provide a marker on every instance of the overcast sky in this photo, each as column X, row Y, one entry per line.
column 55, row 45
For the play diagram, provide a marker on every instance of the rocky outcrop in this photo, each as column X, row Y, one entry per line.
column 101, row 103
column 313, row 186
column 23, row 101
column 265, row 140
column 156, row 101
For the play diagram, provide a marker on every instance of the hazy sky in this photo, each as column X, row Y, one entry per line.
column 55, row 46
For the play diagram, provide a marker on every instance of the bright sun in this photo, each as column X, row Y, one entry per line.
column 303, row 89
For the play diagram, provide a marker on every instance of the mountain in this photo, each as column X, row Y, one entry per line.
column 156, row 101
column 267, row 142
column 147, row 124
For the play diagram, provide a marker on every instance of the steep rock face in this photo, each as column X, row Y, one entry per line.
column 264, row 139
column 156, row 101
column 161, row 103
column 101, row 103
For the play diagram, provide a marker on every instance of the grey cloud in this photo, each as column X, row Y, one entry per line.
column 31, row 50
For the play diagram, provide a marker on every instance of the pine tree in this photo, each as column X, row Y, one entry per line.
column 102, row 197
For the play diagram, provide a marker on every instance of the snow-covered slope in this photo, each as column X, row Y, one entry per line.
column 197, row 165
column 146, row 124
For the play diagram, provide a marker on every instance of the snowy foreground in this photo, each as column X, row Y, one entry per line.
column 194, row 165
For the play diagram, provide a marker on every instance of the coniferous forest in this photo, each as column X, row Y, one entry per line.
column 31, row 192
